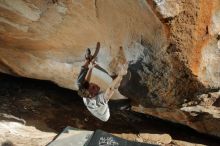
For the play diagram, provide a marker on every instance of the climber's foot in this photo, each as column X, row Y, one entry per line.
column 88, row 55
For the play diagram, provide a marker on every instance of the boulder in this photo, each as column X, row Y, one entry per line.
column 171, row 48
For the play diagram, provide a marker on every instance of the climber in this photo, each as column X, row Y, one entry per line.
column 95, row 100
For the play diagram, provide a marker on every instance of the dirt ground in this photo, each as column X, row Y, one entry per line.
column 48, row 107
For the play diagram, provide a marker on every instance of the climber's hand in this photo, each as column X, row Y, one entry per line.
column 92, row 64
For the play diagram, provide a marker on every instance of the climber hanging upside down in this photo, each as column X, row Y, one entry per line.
column 95, row 100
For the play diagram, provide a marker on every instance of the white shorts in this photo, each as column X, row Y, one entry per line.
column 98, row 106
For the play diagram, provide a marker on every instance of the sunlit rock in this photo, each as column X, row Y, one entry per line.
column 170, row 60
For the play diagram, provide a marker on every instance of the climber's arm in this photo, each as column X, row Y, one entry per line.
column 116, row 82
column 114, row 86
column 89, row 73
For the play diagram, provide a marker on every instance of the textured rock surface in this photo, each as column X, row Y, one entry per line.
column 171, row 47
column 202, row 114
column 187, row 70
column 169, row 8
column 16, row 133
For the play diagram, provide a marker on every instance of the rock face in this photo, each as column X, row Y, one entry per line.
column 171, row 47
column 48, row 41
